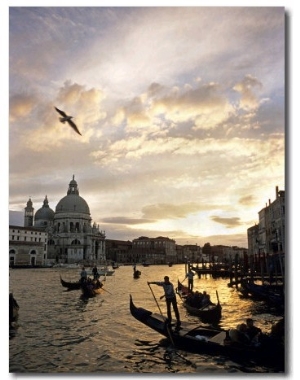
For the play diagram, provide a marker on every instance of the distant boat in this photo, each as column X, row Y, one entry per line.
column 145, row 264
column 115, row 265
column 170, row 264
column 137, row 273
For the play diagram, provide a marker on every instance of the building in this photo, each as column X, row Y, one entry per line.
column 27, row 246
column 71, row 235
column 118, row 251
column 268, row 237
column 159, row 250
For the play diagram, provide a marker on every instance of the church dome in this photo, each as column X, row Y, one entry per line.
column 72, row 202
column 44, row 215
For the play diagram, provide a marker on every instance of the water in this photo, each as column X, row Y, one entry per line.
column 59, row 332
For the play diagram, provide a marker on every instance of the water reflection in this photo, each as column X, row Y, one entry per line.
column 61, row 332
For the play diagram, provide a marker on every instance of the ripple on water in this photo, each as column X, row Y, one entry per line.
column 59, row 332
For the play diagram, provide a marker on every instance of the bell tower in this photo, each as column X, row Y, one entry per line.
column 28, row 216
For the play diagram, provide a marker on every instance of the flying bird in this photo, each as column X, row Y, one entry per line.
column 66, row 118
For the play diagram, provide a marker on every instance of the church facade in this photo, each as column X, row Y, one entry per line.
column 72, row 237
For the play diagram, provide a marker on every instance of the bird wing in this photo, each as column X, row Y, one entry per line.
column 74, row 126
column 61, row 112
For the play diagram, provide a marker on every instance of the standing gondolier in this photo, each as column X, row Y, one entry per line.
column 170, row 299
column 190, row 276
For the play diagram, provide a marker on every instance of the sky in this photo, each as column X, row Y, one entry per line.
column 181, row 115
column 181, row 111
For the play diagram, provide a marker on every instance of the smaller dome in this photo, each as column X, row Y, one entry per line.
column 45, row 213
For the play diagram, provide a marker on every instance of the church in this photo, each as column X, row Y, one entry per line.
column 72, row 237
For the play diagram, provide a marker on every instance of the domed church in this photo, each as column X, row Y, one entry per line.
column 71, row 235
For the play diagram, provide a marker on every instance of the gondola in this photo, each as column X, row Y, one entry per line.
column 272, row 295
column 209, row 340
column 210, row 313
column 70, row 285
column 137, row 273
column 13, row 309
column 91, row 288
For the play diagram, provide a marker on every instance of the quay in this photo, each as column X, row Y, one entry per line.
column 268, row 269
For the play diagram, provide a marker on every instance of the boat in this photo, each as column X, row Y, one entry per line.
column 273, row 295
column 91, row 288
column 70, row 285
column 115, row 265
column 136, row 273
column 211, row 341
column 210, row 313
column 145, row 264
column 13, row 309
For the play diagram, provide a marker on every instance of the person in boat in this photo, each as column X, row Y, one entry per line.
column 239, row 334
column 190, row 276
column 95, row 273
column 83, row 275
column 170, row 299
column 134, row 267
column 252, row 331
column 197, row 299
column 205, row 299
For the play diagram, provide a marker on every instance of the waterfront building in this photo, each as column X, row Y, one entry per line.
column 159, row 250
column 268, row 236
column 27, row 246
column 71, row 235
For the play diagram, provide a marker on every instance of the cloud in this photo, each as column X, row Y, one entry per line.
column 20, row 106
column 246, row 200
column 246, row 88
column 125, row 220
column 228, row 222
column 170, row 211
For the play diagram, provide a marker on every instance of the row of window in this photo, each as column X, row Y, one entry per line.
column 149, row 243
column 25, row 239
column 31, row 232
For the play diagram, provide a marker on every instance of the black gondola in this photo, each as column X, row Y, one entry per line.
column 70, row 285
column 211, row 313
column 211, row 341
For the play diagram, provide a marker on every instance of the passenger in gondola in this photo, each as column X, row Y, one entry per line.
column 197, row 300
column 252, row 331
column 98, row 283
column 205, row 299
column 239, row 334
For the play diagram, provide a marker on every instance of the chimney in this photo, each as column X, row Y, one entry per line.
column 276, row 192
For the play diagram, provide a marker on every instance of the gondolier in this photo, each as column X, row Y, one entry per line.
column 190, row 276
column 170, row 299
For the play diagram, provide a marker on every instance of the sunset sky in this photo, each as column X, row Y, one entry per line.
column 181, row 111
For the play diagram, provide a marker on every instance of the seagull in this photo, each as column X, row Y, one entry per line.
column 67, row 118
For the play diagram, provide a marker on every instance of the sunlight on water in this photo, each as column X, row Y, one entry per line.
column 60, row 332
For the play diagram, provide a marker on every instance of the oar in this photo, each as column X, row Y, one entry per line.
column 168, row 329
column 217, row 296
column 106, row 291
